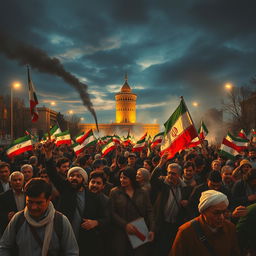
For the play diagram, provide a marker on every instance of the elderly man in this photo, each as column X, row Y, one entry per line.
column 169, row 205
column 38, row 230
column 27, row 170
column 210, row 233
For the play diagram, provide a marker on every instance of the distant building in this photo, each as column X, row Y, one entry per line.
column 125, row 116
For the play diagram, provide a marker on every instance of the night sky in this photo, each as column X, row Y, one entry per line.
column 168, row 49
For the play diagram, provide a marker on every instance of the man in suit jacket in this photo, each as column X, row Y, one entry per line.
column 4, row 176
column 13, row 200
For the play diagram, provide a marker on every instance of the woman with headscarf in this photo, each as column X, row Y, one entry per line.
column 129, row 203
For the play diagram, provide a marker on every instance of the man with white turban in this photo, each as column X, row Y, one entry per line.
column 210, row 233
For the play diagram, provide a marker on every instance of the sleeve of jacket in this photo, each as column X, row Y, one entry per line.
column 68, row 242
column 55, row 178
column 239, row 195
column 179, row 247
column 104, row 220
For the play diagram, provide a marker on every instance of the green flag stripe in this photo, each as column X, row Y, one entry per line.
column 62, row 134
column 19, row 140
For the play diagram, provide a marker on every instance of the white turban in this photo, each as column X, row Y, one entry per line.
column 211, row 197
column 81, row 171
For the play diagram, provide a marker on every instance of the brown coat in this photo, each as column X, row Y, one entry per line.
column 224, row 241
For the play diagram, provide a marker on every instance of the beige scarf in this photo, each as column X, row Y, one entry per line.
column 48, row 221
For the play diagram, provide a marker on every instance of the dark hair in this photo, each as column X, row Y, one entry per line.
column 97, row 164
column 122, row 160
column 156, row 159
column 97, row 174
column 189, row 164
column 107, row 171
column 214, row 176
column 250, row 175
column 4, row 164
column 199, row 162
column 149, row 162
column 131, row 174
column 84, row 159
column 61, row 161
column 36, row 186
column 190, row 156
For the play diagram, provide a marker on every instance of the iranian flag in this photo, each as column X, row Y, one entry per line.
column 53, row 132
column 202, row 133
column 116, row 139
column 78, row 148
column 157, row 139
column 232, row 146
column 109, row 147
column 19, row 146
column 242, row 135
column 32, row 99
column 179, row 131
column 86, row 138
column 63, row 138
column 140, row 144
column 253, row 136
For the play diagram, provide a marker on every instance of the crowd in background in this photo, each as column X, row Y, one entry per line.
column 101, row 197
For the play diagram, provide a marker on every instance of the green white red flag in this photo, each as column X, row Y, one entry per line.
column 202, row 133
column 116, row 139
column 157, row 140
column 53, row 132
column 179, row 131
column 232, row 146
column 253, row 136
column 78, row 148
column 109, row 147
column 19, row 146
column 140, row 144
column 32, row 99
column 86, row 138
column 242, row 135
column 63, row 138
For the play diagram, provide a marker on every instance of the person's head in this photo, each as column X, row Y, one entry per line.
column 189, row 170
column 27, row 170
column 252, row 153
column 216, row 165
column 155, row 161
column 131, row 159
column 62, row 166
column 143, row 154
column 38, row 194
column 43, row 175
column 86, row 160
column 250, row 177
column 199, row 164
column 4, row 172
column 190, row 157
column 143, row 175
column 98, row 165
column 128, row 178
column 33, row 160
column 121, row 162
column 173, row 173
column 77, row 177
column 245, row 166
column 226, row 174
column 147, row 164
column 16, row 181
column 97, row 182
column 214, row 180
column 213, row 206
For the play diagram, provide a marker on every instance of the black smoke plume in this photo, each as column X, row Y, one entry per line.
column 36, row 58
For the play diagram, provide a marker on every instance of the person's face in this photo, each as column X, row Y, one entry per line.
column 100, row 168
column 63, row 169
column 215, row 215
column 214, row 185
column 173, row 176
column 216, row 166
column 131, row 160
column 252, row 154
column 37, row 205
column 96, row 185
column 28, row 173
column 45, row 177
column 89, row 161
column 76, row 180
column 17, row 182
column 139, row 177
column 227, row 176
column 245, row 168
column 146, row 165
column 124, row 181
column 4, row 174
column 189, row 172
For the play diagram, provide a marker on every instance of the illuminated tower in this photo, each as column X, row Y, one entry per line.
column 126, row 104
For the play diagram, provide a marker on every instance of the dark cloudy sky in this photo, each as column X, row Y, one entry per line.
column 168, row 48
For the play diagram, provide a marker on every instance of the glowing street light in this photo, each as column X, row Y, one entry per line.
column 70, row 112
column 15, row 86
column 53, row 103
column 195, row 104
column 81, row 118
column 228, row 86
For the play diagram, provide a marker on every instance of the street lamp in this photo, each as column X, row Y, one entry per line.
column 228, row 86
column 53, row 103
column 15, row 86
column 195, row 104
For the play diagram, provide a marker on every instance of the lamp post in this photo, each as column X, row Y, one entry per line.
column 15, row 85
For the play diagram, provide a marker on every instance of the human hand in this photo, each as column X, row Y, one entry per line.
column 184, row 203
column 251, row 198
column 48, row 148
column 10, row 215
column 89, row 224
column 151, row 236
column 130, row 229
column 239, row 211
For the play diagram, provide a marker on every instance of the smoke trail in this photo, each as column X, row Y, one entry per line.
column 36, row 58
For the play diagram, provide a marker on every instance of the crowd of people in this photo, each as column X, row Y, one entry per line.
column 53, row 202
